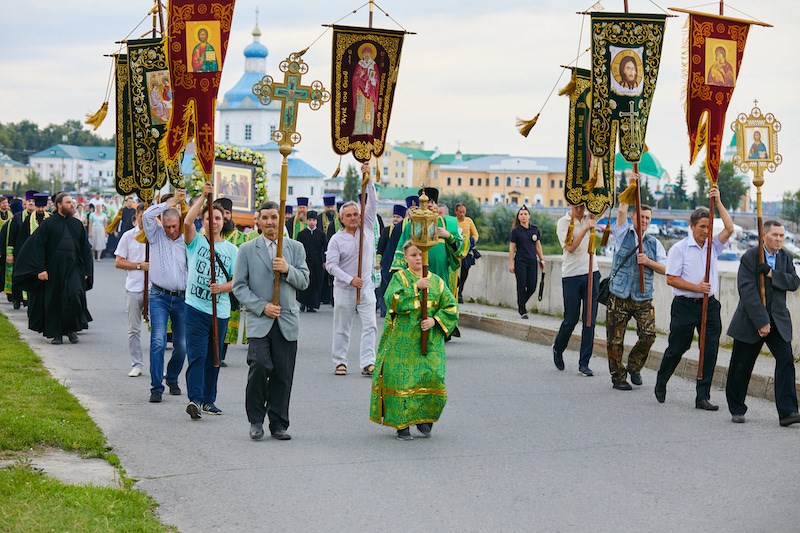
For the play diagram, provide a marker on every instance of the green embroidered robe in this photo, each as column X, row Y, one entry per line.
column 408, row 387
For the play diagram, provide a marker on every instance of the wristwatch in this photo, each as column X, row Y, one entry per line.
column 138, row 266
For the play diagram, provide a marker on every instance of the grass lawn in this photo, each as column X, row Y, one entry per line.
column 37, row 412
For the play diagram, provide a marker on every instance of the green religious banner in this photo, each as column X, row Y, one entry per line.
column 365, row 66
column 151, row 107
column 626, row 54
column 579, row 188
column 123, row 170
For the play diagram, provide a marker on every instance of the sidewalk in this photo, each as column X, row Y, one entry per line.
column 541, row 329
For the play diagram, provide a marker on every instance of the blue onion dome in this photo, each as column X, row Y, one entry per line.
column 256, row 49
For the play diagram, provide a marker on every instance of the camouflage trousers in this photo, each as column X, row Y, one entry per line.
column 620, row 311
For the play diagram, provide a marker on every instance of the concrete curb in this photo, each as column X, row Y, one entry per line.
column 761, row 384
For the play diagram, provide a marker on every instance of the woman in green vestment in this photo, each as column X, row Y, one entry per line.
column 408, row 387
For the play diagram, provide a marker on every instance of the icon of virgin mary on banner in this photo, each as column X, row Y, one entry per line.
column 364, row 75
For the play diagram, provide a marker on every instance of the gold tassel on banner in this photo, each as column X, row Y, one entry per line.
column 628, row 196
column 525, row 126
column 97, row 119
column 571, row 230
column 377, row 171
column 141, row 237
column 595, row 175
column 606, row 233
column 338, row 168
column 569, row 88
column 112, row 226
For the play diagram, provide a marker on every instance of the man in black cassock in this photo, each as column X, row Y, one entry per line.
column 314, row 241
column 55, row 267
column 21, row 227
column 330, row 224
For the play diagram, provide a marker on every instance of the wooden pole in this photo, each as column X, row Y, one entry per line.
column 213, row 273
column 703, row 319
column 589, row 288
column 371, row 9
column 285, row 150
column 155, row 18
column 639, row 233
column 758, row 181
column 161, row 16
column 424, row 304
column 363, row 204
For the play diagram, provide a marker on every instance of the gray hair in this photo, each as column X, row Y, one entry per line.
column 771, row 224
column 444, row 208
column 348, row 204
column 170, row 213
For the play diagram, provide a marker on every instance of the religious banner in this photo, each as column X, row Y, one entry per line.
column 123, row 169
column 626, row 54
column 150, row 108
column 364, row 75
column 197, row 42
column 577, row 191
column 715, row 48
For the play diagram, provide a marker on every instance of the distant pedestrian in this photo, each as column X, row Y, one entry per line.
column 272, row 330
column 130, row 256
column 97, row 231
column 313, row 240
column 469, row 232
column 686, row 268
column 575, row 286
column 524, row 255
column 755, row 323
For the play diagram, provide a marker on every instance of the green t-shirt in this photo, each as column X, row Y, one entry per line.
column 198, row 293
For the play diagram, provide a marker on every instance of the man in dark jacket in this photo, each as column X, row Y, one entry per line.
column 754, row 324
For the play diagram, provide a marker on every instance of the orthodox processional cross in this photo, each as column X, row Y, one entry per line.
column 291, row 93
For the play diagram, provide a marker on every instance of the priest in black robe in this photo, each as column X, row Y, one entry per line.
column 21, row 227
column 315, row 243
column 55, row 267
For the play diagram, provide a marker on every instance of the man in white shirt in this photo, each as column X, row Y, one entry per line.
column 575, row 286
column 131, row 257
column 342, row 264
column 686, row 268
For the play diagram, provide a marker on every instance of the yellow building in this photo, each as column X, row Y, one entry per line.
column 12, row 172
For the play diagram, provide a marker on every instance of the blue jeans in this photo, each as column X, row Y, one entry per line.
column 575, row 289
column 163, row 307
column 201, row 375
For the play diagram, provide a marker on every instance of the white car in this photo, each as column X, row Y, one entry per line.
column 652, row 229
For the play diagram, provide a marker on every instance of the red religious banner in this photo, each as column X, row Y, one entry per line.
column 365, row 66
column 197, row 41
column 715, row 49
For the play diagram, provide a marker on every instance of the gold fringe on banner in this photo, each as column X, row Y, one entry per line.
column 571, row 230
column 141, row 237
column 628, row 196
column 595, row 175
column 111, row 227
column 569, row 88
column 525, row 126
column 377, row 171
column 338, row 168
column 97, row 118
column 606, row 233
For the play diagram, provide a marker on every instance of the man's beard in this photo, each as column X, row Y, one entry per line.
column 228, row 227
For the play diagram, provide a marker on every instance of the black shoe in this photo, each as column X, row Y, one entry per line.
column 404, row 434
column 708, row 406
column 636, row 378
column 311, row 310
column 174, row 389
column 17, row 305
column 737, row 419
column 256, row 431
column 302, row 308
column 788, row 420
column 155, row 397
column 194, row 411
column 661, row 392
column 622, row 385
column 211, row 409
column 524, row 316
column 223, row 363
column 586, row 371
column 73, row 337
column 558, row 359
column 281, row 434
column 57, row 340
column 456, row 332
column 460, row 300
column 425, row 429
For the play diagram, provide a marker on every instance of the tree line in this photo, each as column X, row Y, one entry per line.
column 19, row 140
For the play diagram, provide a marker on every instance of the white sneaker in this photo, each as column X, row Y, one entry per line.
column 135, row 372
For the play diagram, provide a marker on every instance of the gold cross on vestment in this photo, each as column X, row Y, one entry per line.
column 290, row 93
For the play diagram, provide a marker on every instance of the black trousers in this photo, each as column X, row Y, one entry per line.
column 575, row 290
column 685, row 318
column 741, row 368
column 269, row 381
column 462, row 279
column 525, row 272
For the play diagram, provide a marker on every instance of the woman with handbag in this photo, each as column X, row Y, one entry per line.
column 524, row 248
column 201, row 374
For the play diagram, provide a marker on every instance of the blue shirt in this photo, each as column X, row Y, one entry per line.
column 198, row 291
column 770, row 258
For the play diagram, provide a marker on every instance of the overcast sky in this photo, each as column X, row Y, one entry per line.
column 469, row 71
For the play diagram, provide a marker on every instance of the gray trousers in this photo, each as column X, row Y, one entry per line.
column 135, row 303
column 344, row 312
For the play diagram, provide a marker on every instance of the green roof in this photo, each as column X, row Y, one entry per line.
column 414, row 153
column 448, row 159
column 649, row 165
column 396, row 193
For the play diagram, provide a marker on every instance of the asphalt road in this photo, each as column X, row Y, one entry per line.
column 520, row 446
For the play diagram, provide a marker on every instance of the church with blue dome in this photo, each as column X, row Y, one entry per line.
column 244, row 121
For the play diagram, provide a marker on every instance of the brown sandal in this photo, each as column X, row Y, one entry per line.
column 341, row 370
column 367, row 370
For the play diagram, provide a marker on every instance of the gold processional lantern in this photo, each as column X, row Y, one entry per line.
column 424, row 223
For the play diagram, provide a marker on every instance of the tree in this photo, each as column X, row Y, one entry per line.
column 473, row 207
column 647, row 196
column 24, row 138
column 731, row 186
column 680, row 199
column 623, row 182
column 351, row 184
column 499, row 223
column 791, row 207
